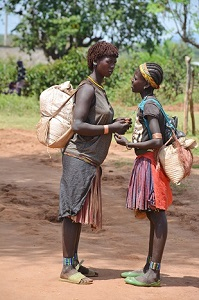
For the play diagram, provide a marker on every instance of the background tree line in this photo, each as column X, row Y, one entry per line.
column 73, row 67
column 56, row 26
column 65, row 30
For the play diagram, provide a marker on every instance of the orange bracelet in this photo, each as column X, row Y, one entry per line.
column 106, row 129
column 157, row 136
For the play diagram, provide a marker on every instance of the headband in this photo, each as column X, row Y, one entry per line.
column 145, row 73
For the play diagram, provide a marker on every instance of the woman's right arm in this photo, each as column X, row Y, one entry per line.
column 84, row 98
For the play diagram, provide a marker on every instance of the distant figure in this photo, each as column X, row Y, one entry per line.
column 11, row 87
column 21, row 73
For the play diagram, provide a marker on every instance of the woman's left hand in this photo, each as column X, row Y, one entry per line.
column 120, row 139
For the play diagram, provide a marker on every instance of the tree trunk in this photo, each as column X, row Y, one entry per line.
column 191, row 103
column 186, row 98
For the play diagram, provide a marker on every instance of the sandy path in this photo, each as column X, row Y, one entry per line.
column 30, row 237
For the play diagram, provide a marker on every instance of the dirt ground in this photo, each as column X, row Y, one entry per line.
column 30, row 236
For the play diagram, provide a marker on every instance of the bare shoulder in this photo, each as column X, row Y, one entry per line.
column 85, row 95
column 87, row 89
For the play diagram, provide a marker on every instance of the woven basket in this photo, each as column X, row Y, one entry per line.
column 177, row 159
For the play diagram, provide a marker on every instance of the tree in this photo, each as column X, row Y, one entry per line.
column 56, row 25
column 185, row 15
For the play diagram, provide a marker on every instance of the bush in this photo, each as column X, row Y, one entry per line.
column 8, row 73
column 73, row 67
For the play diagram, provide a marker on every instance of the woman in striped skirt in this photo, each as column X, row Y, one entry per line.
column 149, row 193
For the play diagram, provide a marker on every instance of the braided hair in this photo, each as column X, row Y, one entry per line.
column 155, row 72
column 99, row 50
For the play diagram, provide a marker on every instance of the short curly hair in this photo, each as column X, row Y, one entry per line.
column 99, row 50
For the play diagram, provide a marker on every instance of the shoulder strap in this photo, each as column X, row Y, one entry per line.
column 142, row 104
column 168, row 122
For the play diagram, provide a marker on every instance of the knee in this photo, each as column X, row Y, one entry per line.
column 157, row 217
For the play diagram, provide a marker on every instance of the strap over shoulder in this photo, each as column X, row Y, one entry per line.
column 169, row 121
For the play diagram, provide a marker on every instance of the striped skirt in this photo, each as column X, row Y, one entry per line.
column 91, row 211
column 149, row 187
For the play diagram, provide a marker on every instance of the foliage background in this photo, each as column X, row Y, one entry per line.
column 73, row 67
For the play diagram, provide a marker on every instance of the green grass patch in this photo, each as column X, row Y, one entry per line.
column 195, row 166
column 23, row 113
column 19, row 112
column 26, row 122
column 18, row 105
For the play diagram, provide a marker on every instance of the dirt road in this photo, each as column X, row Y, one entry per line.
column 30, row 236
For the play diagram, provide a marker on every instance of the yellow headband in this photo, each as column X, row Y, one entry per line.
column 145, row 73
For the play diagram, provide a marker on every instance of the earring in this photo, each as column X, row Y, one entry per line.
column 94, row 63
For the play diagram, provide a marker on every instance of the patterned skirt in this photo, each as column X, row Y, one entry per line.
column 149, row 187
column 80, row 192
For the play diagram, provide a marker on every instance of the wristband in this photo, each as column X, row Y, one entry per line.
column 106, row 129
column 157, row 136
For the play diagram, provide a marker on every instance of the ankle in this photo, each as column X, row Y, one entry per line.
column 67, row 269
column 146, row 267
column 154, row 266
column 68, row 261
column 68, row 264
column 75, row 259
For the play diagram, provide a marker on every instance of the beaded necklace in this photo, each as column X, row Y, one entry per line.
column 91, row 79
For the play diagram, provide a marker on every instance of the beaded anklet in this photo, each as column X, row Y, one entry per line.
column 154, row 266
column 68, row 261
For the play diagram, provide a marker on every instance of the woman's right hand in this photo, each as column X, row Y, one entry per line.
column 121, row 140
column 120, row 126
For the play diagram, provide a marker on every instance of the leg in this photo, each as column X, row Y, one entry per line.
column 86, row 271
column 78, row 237
column 158, row 236
column 70, row 232
column 150, row 251
column 151, row 237
column 159, row 221
column 136, row 273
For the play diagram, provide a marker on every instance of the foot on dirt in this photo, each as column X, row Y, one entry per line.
column 70, row 274
column 150, row 278
column 135, row 273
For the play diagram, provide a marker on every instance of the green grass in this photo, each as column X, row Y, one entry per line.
column 23, row 113
column 15, row 104
column 18, row 112
column 195, row 166
column 27, row 121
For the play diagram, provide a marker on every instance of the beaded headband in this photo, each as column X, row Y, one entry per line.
column 145, row 73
